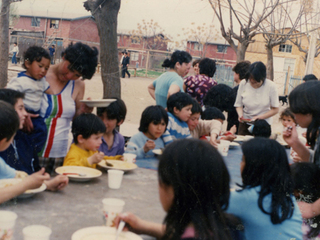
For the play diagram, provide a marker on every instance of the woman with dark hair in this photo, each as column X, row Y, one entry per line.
column 170, row 82
column 197, row 86
column 257, row 98
column 265, row 204
column 195, row 65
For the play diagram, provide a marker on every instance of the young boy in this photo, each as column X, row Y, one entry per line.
column 112, row 116
column 87, row 130
column 261, row 128
column 179, row 111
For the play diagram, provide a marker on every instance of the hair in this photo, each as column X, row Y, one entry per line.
column 261, row 128
column 178, row 100
column 207, row 67
column 200, row 181
column 116, row 110
column 288, row 113
column 212, row 113
column 152, row 114
column 15, row 43
column 86, row 124
column 82, row 58
column 306, row 181
column 303, row 99
column 242, row 69
column 257, row 71
column 10, row 96
column 309, row 77
column 196, row 108
column 35, row 53
column 196, row 61
column 9, row 121
column 266, row 165
column 177, row 56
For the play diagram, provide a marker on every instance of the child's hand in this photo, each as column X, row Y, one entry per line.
column 290, row 134
column 35, row 180
column 96, row 158
column 228, row 137
column 213, row 141
column 57, row 183
column 133, row 223
column 233, row 129
column 148, row 146
column 27, row 125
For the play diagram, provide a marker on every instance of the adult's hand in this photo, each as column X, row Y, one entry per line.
column 84, row 108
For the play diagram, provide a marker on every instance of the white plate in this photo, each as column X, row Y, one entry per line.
column 119, row 165
column 26, row 194
column 98, row 102
column 157, row 151
column 90, row 173
column 241, row 138
column 102, row 233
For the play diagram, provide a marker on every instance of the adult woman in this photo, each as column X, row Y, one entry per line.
column 195, row 65
column 78, row 60
column 171, row 82
column 257, row 98
column 197, row 86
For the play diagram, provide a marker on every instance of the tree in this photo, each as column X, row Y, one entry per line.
column 105, row 13
column 244, row 14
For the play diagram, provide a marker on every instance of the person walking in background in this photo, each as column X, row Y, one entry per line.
column 52, row 51
column 15, row 51
column 125, row 64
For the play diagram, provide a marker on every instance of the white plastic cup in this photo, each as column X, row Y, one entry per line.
column 7, row 222
column 112, row 207
column 129, row 157
column 223, row 147
column 36, row 232
column 115, row 178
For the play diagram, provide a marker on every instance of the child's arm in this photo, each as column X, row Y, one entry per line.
column 95, row 158
column 136, row 147
column 309, row 210
column 49, row 91
column 210, row 127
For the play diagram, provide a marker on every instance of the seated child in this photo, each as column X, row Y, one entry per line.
column 112, row 116
column 87, row 130
column 179, row 111
column 199, row 127
column 261, row 128
column 153, row 123
column 33, row 83
column 306, row 188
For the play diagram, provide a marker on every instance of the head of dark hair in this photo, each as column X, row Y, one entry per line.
column 309, row 77
column 257, row 71
column 196, row 108
column 261, row 128
column 10, row 96
column 195, row 62
column 207, row 67
column 177, row 56
column 86, row 124
column 9, row 121
column 303, row 99
column 288, row 113
column 178, row 100
column 266, row 165
column 35, row 53
column 242, row 69
column 152, row 114
column 116, row 110
column 82, row 58
column 188, row 165
column 220, row 96
column 15, row 43
column 212, row 113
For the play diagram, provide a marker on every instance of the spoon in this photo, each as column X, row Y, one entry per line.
column 79, row 174
column 120, row 227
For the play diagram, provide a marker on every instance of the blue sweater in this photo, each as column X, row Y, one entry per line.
column 5, row 170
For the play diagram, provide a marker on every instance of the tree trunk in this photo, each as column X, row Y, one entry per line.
column 270, row 74
column 4, row 42
column 241, row 51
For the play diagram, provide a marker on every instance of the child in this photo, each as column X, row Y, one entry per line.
column 265, row 203
column 261, row 128
column 306, row 188
column 112, row 116
column 153, row 123
column 33, row 83
column 179, row 111
column 194, row 192
column 87, row 130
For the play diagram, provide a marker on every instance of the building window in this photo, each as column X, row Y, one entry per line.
column 54, row 24
column 134, row 56
column 35, row 22
column 222, row 48
column 285, row 48
column 135, row 40
column 197, row 46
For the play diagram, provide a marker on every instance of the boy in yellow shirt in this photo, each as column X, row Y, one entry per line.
column 87, row 130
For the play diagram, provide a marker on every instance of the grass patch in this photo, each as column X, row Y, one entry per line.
column 142, row 73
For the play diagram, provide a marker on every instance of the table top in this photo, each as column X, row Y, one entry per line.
column 79, row 205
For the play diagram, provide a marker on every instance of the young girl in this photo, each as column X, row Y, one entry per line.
column 153, row 123
column 306, row 188
column 33, row 84
column 265, row 203
column 194, row 191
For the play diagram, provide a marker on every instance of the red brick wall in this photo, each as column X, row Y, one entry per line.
column 85, row 30
column 24, row 23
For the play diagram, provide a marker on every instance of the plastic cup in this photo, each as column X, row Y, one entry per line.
column 129, row 157
column 223, row 147
column 36, row 232
column 7, row 222
column 112, row 207
column 115, row 178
